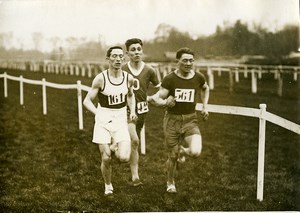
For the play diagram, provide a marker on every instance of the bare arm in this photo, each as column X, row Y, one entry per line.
column 92, row 94
column 161, row 98
column 131, row 98
column 204, row 98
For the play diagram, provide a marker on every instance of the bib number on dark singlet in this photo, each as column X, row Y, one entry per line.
column 184, row 95
column 142, row 107
column 116, row 99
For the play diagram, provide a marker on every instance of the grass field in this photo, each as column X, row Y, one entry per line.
column 49, row 165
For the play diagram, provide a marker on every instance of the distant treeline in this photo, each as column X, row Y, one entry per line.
column 231, row 42
column 228, row 42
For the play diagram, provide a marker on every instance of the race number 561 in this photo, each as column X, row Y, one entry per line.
column 184, row 95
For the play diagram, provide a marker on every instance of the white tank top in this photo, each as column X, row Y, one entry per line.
column 113, row 96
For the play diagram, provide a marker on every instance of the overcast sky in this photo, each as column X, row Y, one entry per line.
column 116, row 20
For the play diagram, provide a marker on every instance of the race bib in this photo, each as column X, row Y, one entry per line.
column 184, row 95
column 116, row 99
column 142, row 107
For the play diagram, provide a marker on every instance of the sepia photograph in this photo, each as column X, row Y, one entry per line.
column 111, row 106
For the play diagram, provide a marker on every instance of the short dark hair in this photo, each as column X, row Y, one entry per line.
column 133, row 41
column 184, row 50
column 112, row 48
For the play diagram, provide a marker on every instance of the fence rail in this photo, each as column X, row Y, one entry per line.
column 44, row 85
column 252, row 112
column 263, row 116
column 91, row 69
column 260, row 113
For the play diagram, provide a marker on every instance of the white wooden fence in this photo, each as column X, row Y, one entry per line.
column 260, row 113
column 256, row 73
column 263, row 116
column 44, row 85
column 91, row 69
column 235, row 70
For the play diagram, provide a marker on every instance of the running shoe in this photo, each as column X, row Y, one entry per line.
column 181, row 159
column 171, row 188
column 137, row 182
column 109, row 190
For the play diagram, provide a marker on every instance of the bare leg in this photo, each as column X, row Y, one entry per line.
column 194, row 145
column 105, row 163
column 123, row 151
column 134, row 157
column 171, row 169
column 106, row 169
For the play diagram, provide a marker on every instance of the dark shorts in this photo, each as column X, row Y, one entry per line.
column 177, row 127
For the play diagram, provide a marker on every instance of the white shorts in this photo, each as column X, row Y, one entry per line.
column 110, row 124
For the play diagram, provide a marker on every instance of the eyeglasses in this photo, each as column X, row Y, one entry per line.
column 114, row 56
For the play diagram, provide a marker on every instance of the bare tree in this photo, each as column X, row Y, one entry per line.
column 55, row 41
column 6, row 40
column 37, row 40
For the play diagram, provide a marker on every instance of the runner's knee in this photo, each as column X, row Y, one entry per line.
column 124, row 159
column 135, row 144
column 195, row 145
column 195, row 153
column 106, row 159
column 124, row 151
column 173, row 155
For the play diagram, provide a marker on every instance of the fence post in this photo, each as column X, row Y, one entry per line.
column 89, row 70
column 79, row 98
column 143, row 140
column 261, row 153
column 44, row 96
column 253, row 82
column 71, row 69
column 82, row 71
column 295, row 74
column 276, row 72
column 245, row 72
column 280, row 84
column 219, row 71
column 259, row 72
column 236, row 72
column 210, row 78
column 21, row 91
column 76, row 70
column 45, row 67
column 230, row 80
column 5, row 84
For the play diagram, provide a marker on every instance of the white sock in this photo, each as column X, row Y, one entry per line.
column 108, row 186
